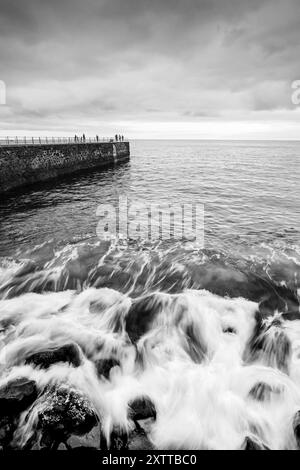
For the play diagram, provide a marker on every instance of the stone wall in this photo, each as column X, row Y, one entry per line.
column 22, row 165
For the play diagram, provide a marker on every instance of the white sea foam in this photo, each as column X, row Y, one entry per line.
column 189, row 359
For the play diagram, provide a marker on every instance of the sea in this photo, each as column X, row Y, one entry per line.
column 208, row 330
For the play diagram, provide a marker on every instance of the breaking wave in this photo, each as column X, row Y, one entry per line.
column 114, row 345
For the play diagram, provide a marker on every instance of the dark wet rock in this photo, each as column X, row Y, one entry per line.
column 68, row 353
column 142, row 313
column 8, row 425
column 104, row 366
column 281, row 299
column 17, row 395
column 91, row 439
column 296, row 427
column 254, row 444
column 269, row 344
column 138, row 440
column 263, row 391
column 141, row 408
column 65, row 412
column 118, row 440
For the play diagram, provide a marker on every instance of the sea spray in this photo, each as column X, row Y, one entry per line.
column 211, row 341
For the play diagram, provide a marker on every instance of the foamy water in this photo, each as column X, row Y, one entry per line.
column 211, row 336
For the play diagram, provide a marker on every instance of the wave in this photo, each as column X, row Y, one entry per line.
column 162, row 346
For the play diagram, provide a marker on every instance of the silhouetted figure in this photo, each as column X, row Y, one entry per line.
column 97, row 138
column 119, row 138
column 122, row 138
column 116, row 138
column 83, row 137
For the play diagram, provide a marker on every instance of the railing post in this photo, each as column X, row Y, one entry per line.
column 25, row 140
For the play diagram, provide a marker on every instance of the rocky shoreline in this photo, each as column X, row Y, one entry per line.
column 62, row 417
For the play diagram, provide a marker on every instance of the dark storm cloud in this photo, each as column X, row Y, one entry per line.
column 119, row 60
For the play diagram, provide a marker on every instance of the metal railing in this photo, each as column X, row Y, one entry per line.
column 4, row 141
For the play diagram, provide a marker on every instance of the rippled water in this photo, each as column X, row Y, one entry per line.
column 250, row 192
column 201, row 332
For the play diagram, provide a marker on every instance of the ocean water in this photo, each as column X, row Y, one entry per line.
column 211, row 335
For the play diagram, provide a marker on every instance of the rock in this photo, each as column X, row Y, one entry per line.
column 269, row 344
column 65, row 412
column 104, row 366
column 142, row 314
column 17, row 395
column 141, row 408
column 118, row 440
column 138, row 440
column 7, row 428
column 254, row 444
column 68, row 353
column 296, row 427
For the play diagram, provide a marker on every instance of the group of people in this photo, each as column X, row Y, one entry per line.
column 118, row 138
column 79, row 139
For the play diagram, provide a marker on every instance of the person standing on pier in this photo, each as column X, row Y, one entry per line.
column 116, row 138
column 83, row 137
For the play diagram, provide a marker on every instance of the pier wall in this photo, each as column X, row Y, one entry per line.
column 25, row 164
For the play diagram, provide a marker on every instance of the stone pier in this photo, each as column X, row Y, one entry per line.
column 23, row 164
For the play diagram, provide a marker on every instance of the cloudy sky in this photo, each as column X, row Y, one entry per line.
column 150, row 68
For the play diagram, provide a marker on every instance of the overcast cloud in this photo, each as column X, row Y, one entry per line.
column 151, row 68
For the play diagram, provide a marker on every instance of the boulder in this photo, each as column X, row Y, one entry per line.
column 17, row 395
column 69, row 353
column 141, row 408
column 66, row 411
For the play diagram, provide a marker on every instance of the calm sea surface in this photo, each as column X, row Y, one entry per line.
column 250, row 191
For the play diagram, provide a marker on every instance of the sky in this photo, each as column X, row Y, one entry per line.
column 150, row 69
